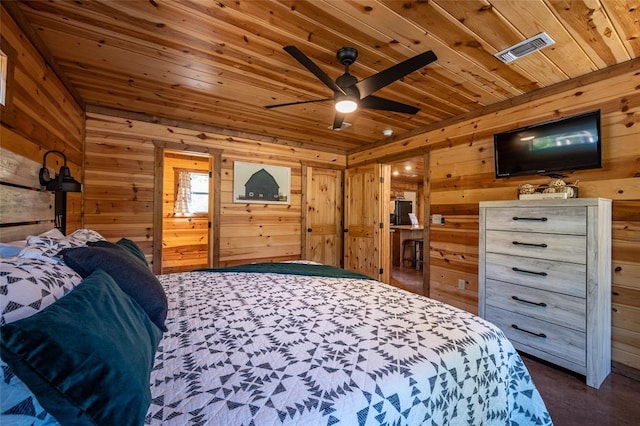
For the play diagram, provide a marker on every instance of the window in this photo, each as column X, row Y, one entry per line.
column 192, row 192
column 199, row 193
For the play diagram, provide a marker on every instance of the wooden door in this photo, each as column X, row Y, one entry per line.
column 322, row 215
column 366, row 239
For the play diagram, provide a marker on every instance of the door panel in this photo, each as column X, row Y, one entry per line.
column 323, row 215
column 366, row 220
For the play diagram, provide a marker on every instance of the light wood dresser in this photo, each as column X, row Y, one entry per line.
column 545, row 279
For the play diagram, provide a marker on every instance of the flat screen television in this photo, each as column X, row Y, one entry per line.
column 550, row 148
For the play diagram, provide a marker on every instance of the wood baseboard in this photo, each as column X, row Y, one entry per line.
column 625, row 370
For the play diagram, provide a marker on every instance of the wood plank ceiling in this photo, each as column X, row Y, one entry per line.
column 220, row 62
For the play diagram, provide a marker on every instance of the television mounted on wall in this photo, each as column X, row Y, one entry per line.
column 551, row 148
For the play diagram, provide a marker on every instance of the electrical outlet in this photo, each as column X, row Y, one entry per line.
column 461, row 283
column 436, row 219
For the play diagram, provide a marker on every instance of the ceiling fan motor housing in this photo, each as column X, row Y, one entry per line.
column 347, row 81
column 347, row 55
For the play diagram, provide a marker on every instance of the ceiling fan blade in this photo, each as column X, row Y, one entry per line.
column 393, row 73
column 338, row 120
column 376, row 102
column 297, row 103
column 311, row 66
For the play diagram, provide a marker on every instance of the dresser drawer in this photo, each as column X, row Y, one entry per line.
column 564, row 248
column 560, row 309
column 552, row 220
column 558, row 341
column 560, row 277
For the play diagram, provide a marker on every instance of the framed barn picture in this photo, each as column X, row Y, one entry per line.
column 261, row 183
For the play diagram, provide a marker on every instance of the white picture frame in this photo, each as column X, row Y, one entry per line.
column 256, row 183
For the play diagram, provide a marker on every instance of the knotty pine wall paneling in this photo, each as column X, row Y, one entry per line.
column 119, row 175
column 462, row 175
column 45, row 114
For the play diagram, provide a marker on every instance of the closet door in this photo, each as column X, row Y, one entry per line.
column 366, row 238
column 322, row 215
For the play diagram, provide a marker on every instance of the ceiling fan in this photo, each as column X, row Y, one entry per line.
column 349, row 93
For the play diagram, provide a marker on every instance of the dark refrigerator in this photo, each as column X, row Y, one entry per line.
column 401, row 214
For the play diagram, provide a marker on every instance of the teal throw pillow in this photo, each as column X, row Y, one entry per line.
column 88, row 357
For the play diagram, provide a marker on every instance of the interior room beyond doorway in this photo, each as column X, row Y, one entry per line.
column 407, row 191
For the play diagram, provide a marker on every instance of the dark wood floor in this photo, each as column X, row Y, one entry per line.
column 569, row 400
column 408, row 279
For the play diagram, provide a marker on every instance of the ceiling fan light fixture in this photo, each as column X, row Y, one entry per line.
column 346, row 104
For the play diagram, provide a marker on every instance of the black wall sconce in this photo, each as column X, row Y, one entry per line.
column 60, row 184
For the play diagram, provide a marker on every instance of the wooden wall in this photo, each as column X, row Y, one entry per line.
column 185, row 239
column 119, row 176
column 462, row 174
column 43, row 115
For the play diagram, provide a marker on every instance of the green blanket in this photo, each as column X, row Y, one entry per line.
column 291, row 269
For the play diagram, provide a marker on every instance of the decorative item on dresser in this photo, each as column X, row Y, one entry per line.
column 545, row 279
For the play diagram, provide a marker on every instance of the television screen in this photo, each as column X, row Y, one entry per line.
column 550, row 148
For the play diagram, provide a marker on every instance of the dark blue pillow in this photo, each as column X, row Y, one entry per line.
column 130, row 274
column 122, row 244
column 88, row 357
column 132, row 248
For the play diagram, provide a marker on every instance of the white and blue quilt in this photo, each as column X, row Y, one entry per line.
column 253, row 348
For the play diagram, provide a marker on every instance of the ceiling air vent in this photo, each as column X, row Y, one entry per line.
column 525, row 47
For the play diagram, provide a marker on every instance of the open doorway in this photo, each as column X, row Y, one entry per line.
column 186, row 211
column 186, row 208
column 407, row 245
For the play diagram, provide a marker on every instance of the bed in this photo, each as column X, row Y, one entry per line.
column 90, row 336
column 270, row 344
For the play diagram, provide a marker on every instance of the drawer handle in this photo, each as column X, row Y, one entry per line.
column 544, row 336
column 518, row 243
column 541, row 304
column 540, row 219
column 542, row 274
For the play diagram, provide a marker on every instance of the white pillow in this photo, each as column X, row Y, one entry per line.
column 47, row 245
column 81, row 237
column 44, row 248
column 30, row 285
column 52, row 233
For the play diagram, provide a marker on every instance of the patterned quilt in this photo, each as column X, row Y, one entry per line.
column 249, row 348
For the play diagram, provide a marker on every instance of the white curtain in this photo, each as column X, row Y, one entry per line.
column 183, row 197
